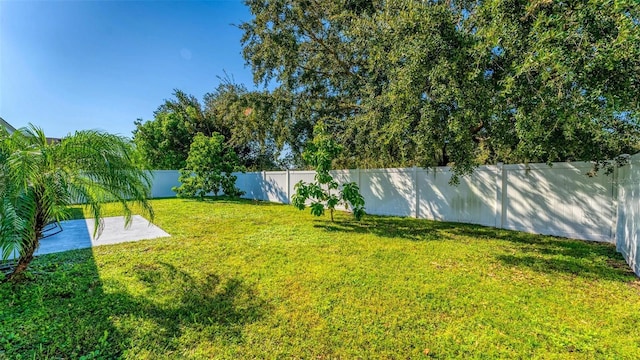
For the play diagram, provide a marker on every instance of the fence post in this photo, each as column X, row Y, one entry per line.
column 288, row 187
column 417, row 190
column 500, row 189
column 615, row 188
column 264, row 193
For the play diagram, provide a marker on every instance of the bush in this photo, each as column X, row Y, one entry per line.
column 209, row 169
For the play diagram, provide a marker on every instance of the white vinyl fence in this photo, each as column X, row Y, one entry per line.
column 558, row 200
column 628, row 219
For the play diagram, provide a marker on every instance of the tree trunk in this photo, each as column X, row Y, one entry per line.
column 25, row 259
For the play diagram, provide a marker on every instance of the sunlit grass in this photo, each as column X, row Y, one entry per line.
column 256, row 280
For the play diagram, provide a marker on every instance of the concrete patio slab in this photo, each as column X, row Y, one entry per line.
column 78, row 234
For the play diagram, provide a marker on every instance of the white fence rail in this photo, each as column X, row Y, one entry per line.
column 559, row 200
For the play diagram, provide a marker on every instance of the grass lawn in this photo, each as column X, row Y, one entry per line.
column 257, row 280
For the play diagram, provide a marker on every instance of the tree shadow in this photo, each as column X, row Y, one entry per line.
column 392, row 227
column 227, row 304
column 586, row 266
column 63, row 309
column 233, row 200
column 546, row 254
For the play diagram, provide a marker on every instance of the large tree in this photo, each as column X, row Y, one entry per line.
column 243, row 117
column 565, row 74
column 41, row 178
column 411, row 82
column 164, row 142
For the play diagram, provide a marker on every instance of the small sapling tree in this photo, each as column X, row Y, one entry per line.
column 325, row 191
column 209, row 169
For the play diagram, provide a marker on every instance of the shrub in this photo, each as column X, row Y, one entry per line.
column 209, row 169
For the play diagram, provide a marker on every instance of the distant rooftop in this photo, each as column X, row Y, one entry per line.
column 11, row 130
column 7, row 126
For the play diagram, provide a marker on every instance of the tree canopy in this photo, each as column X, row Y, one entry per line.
column 461, row 83
column 242, row 117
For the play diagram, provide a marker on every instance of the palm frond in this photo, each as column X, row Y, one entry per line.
column 39, row 180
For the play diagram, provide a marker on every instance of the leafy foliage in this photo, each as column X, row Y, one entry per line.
column 40, row 179
column 422, row 83
column 351, row 195
column 163, row 142
column 320, row 154
column 565, row 76
column 244, row 119
column 209, row 168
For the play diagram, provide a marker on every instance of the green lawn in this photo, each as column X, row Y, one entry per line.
column 258, row 280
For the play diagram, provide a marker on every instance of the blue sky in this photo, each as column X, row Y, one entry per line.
column 71, row 65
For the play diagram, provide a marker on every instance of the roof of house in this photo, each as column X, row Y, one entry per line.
column 7, row 126
column 11, row 130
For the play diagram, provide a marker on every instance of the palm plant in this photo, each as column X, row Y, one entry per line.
column 40, row 179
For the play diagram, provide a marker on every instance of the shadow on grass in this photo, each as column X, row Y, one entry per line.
column 586, row 266
column 392, row 227
column 547, row 254
column 232, row 200
column 551, row 254
column 62, row 309
column 225, row 305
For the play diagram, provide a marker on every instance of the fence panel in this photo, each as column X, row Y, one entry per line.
column 163, row 182
column 628, row 226
column 473, row 201
column 388, row 191
column 276, row 187
column 252, row 185
column 559, row 200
